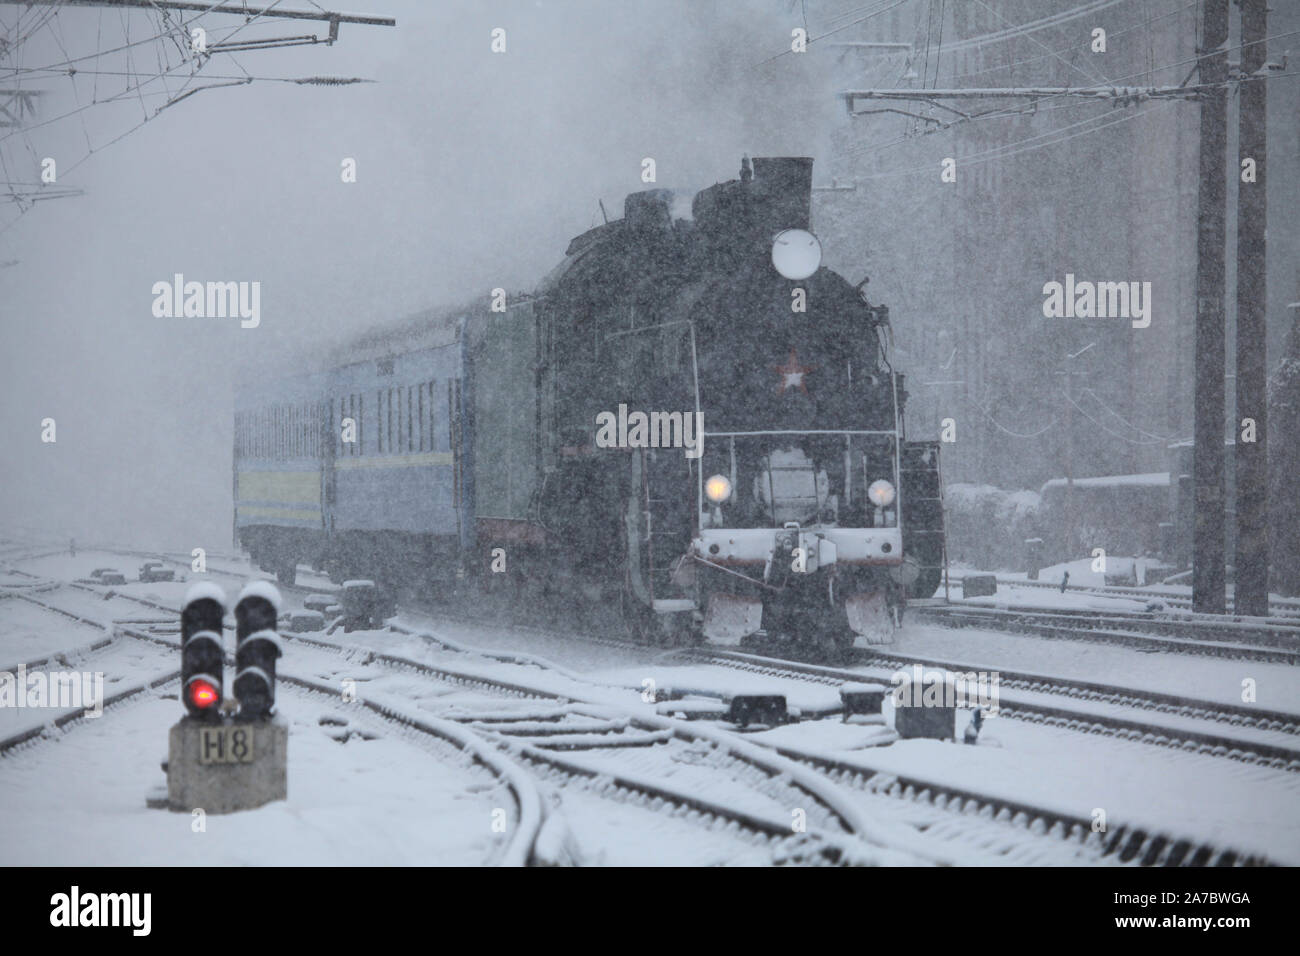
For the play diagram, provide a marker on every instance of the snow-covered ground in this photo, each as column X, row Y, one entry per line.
column 81, row 800
column 383, row 796
column 1162, row 790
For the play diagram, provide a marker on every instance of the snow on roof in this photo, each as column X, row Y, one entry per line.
column 205, row 589
column 1152, row 479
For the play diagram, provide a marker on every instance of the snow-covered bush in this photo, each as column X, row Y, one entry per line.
column 987, row 526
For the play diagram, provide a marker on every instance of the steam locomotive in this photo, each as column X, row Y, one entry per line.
column 690, row 421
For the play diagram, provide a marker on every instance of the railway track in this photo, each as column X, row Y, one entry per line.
column 444, row 739
column 958, row 813
column 1270, row 747
column 557, row 741
column 829, row 839
column 1273, row 750
column 633, row 758
column 1017, row 831
column 1270, row 643
column 1001, row 829
column 1275, row 640
column 1042, row 701
column 1279, row 607
column 569, row 744
column 750, row 812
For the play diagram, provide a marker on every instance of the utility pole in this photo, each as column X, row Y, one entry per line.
column 1251, row 458
column 1071, row 522
column 1069, row 470
column 1208, row 466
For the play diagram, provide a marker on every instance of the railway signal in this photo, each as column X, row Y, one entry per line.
column 201, row 652
column 257, row 647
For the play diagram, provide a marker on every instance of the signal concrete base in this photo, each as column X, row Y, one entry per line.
column 226, row 782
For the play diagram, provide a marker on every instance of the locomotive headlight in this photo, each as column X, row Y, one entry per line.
column 796, row 253
column 881, row 493
column 717, row 489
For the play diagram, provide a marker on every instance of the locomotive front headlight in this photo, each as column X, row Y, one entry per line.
column 796, row 253
column 881, row 493
column 717, row 489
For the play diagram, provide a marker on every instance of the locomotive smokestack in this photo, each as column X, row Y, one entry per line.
column 774, row 193
column 785, row 183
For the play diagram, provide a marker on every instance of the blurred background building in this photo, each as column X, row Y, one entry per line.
column 1105, row 191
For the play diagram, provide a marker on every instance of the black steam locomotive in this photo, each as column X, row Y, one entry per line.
column 690, row 420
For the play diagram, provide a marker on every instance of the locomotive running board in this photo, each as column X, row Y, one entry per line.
column 730, row 618
column 870, row 616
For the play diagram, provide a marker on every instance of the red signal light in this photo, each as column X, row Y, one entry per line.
column 203, row 695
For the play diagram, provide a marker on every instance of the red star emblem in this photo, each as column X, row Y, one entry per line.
column 792, row 374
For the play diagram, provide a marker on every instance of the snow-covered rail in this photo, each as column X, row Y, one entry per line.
column 834, row 842
column 1234, row 640
column 1188, row 724
column 64, row 719
column 517, row 848
column 1278, row 607
column 1027, row 824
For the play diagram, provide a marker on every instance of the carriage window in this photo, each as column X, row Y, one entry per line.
column 433, row 444
column 397, row 417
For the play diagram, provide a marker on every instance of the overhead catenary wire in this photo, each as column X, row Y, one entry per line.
column 1072, row 48
column 1020, row 31
column 938, row 49
column 162, row 32
column 812, row 40
column 1116, row 415
column 1008, row 150
column 1026, row 29
column 1124, row 438
column 1038, row 106
column 1013, row 433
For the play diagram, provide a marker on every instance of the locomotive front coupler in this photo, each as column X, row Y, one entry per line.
column 782, row 560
